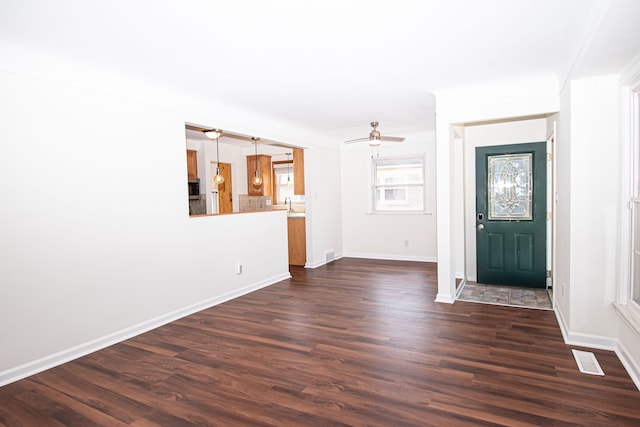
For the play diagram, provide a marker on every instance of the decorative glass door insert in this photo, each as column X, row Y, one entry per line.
column 510, row 187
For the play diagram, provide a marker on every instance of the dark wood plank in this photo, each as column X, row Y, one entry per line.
column 355, row 342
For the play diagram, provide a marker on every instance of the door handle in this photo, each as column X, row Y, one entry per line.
column 480, row 226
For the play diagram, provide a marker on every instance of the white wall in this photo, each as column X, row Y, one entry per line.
column 590, row 152
column 380, row 236
column 562, row 152
column 323, row 204
column 588, row 180
column 97, row 244
column 458, row 203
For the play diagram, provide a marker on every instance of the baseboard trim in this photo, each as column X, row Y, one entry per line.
column 561, row 323
column 447, row 299
column 583, row 340
column 22, row 371
column 316, row 264
column 629, row 363
column 390, row 257
column 592, row 341
column 628, row 329
column 603, row 343
column 320, row 263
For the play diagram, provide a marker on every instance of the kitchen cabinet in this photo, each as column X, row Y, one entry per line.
column 192, row 164
column 297, row 236
column 298, row 171
column 264, row 170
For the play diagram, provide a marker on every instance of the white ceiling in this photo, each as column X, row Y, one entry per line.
column 332, row 66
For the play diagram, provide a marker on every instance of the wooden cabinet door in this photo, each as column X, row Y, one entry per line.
column 192, row 164
column 225, row 194
column 298, row 171
column 297, row 236
column 264, row 169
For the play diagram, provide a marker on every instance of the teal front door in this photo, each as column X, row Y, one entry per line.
column 511, row 196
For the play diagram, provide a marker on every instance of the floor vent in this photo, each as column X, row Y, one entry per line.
column 587, row 362
column 329, row 256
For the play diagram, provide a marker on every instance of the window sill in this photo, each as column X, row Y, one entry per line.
column 630, row 317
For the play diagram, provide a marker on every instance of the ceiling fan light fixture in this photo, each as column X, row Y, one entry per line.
column 375, row 138
column 213, row 133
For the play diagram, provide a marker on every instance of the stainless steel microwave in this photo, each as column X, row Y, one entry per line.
column 194, row 188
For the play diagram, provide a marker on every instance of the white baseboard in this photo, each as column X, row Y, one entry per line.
column 591, row 341
column 628, row 334
column 603, row 343
column 583, row 340
column 561, row 323
column 320, row 263
column 447, row 299
column 50, row 361
column 629, row 363
column 390, row 257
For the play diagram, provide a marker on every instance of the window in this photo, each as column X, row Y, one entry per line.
column 398, row 184
column 628, row 299
column 283, row 173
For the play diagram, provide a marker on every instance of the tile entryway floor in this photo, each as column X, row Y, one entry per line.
column 506, row 295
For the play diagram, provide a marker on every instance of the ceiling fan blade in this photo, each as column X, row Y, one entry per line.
column 351, row 141
column 391, row 138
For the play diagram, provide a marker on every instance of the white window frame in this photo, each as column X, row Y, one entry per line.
column 634, row 198
column 285, row 168
column 629, row 309
column 374, row 186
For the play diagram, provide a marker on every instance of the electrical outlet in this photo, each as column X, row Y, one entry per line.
column 406, row 243
column 238, row 268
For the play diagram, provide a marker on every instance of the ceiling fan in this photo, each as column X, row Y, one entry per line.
column 374, row 137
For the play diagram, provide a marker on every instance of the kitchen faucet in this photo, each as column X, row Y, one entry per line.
column 290, row 206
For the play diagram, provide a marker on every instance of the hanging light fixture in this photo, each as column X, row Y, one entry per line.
column 288, row 171
column 374, row 140
column 215, row 134
column 257, row 179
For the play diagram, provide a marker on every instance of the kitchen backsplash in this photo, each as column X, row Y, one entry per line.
column 198, row 206
column 254, row 203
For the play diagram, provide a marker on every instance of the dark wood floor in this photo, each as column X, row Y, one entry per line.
column 356, row 342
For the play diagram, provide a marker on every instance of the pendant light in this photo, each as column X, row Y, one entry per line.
column 288, row 171
column 257, row 179
column 215, row 134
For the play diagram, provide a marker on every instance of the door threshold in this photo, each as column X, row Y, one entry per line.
column 511, row 296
